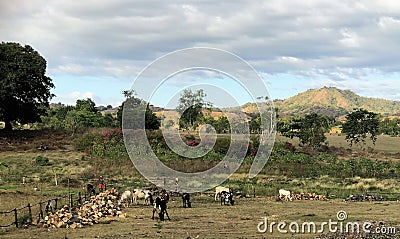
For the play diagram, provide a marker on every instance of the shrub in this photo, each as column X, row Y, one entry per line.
column 42, row 161
column 109, row 144
column 156, row 140
column 3, row 164
column 86, row 142
column 251, row 150
column 222, row 145
column 25, row 219
column 398, row 167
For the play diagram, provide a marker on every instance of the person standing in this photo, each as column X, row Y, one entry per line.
column 101, row 185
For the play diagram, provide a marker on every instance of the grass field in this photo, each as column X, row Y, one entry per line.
column 208, row 219
column 384, row 143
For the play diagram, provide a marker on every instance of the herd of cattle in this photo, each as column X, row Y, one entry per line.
column 224, row 194
column 159, row 203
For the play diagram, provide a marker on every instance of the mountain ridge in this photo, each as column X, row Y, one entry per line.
column 333, row 102
column 329, row 101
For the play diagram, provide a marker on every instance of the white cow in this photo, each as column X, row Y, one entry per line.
column 127, row 197
column 142, row 194
column 285, row 194
column 219, row 190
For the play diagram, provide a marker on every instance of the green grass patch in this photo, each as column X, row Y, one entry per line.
column 9, row 186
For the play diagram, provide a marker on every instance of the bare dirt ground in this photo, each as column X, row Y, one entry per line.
column 208, row 219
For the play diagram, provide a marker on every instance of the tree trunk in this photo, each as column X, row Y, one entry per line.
column 7, row 125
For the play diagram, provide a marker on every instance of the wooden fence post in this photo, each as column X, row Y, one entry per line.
column 56, row 201
column 79, row 198
column 16, row 217
column 30, row 210
column 40, row 210
column 68, row 186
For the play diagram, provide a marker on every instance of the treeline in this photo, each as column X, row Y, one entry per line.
column 358, row 126
column 85, row 115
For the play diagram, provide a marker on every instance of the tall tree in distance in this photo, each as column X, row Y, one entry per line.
column 310, row 129
column 86, row 104
column 390, row 127
column 359, row 124
column 190, row 108
column 135, row 106
column 24, row 87
column 313, row 128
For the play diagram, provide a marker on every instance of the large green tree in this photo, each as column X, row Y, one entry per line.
column 83, row 115
column 190, row 108
column 134, row 108
column 313, row 129
column 255, row 123
column 289, row 127
column 390, row 127
column 359, row 125
column 24, row 87
column 310, row 129
column 221, row 125
column 55, row 117
column 87, row 105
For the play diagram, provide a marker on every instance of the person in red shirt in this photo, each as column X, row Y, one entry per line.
column 101, row 184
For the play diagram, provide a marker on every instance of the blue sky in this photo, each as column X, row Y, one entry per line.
column 96, row 49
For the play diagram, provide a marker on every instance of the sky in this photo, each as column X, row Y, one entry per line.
column 97, row 49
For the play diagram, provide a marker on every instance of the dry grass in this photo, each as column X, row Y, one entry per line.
column 384, row 144
column 207, row 219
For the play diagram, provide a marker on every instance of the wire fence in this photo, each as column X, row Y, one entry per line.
column 26, row 215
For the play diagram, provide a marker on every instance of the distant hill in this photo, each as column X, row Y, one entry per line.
column 329, row 101
column 334, row 102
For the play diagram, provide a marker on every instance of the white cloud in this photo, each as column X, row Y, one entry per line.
column 350, row 38
column 388, row 23
column 71, row 97
column 339, row 40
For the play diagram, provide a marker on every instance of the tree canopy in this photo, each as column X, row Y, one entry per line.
column 359, row 124
column 134, row 108
column 310, row 129
column 24, row 87
column 221, row 125
column 83, row 115
column 390, row 127
column 190, row 108
column 86, row 104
